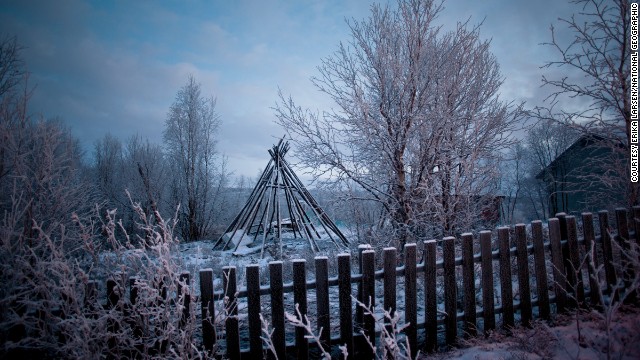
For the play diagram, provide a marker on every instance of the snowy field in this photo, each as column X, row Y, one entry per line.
column 559, row 339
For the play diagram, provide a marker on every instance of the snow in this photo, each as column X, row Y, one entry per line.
column 559, row 340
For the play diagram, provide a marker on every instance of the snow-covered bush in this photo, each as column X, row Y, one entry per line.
column 47, row 307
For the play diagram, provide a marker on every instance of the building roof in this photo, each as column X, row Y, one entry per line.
column 582, row 142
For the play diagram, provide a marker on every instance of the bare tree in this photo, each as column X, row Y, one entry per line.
column 147, row 175
column 190, row 145
column 544, row 144
column 417, row 123
column 512, row 183
column 13, row 103
column 12, row 68
column 40, row 161
column 596, row 80
column 109, row 167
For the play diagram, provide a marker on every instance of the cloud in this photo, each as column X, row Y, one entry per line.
column 116, row 66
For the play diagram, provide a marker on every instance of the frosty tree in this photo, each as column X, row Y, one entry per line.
column 189, row 137
column 417, row 121
column 133, row 172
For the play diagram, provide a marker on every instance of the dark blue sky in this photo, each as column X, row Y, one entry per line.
column 115, row 66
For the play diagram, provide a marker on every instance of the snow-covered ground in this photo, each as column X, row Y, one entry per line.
column 197, row 255
column 559, row 339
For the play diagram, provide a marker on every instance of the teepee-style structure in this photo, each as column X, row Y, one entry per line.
column 280, row 203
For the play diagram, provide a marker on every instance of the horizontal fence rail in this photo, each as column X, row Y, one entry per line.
column 458, row 287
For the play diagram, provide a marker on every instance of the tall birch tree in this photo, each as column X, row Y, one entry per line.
column 189, row 136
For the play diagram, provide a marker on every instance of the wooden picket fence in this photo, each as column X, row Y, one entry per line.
column 565, row 289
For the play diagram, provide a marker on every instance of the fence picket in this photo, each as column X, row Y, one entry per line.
column 636, row 223
column 91, row 293
column 113, row 297
column 625, row 245
column 506, row 290
column 526, row 312
column 589, row 237
column 300, row 299
column 253, row 302
column 450, row 290
column 208, row 308
column 559, row 277
column 410, row 301
column 389, row 256
column 607, row 250
column 369, row 298
column 592, row 258
column 430, row 306
column 469, row 282
column 570, row 275
column 133, row 290
column 277, row 309
column 136, row 318
column 544, row 308
column 488, row 305
column 183, row 290
column 113, row 292
column 322, row 301
column 359, row 310
column 574, row 257
column 344, row 296
column 231, row 311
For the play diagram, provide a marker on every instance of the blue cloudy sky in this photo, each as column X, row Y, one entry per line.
column 115, row 66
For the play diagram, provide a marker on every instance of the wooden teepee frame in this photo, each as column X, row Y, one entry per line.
column 261, row 215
